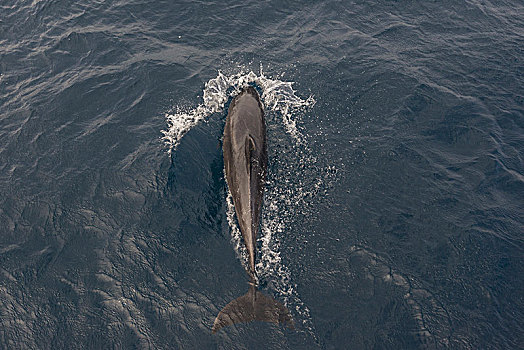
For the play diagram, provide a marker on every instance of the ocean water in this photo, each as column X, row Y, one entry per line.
column 393, row 215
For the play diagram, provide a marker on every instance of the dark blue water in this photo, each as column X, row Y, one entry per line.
column 393, row 216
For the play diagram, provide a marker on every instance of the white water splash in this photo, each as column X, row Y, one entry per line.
column 236, row 235
column 277, row 95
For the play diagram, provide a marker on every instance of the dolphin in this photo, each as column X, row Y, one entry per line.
column 245, row 160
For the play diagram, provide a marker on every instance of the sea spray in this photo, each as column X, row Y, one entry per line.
column 277, row 95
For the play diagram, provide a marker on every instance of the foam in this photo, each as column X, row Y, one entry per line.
column 278, row 96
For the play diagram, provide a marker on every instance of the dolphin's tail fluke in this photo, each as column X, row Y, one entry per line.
column 253, row 306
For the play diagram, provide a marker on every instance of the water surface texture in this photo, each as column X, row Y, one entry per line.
column 393, row 215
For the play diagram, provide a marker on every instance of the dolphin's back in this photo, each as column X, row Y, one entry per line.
column 245, row 159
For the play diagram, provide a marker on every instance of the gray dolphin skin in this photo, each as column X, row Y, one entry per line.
column 245, row 160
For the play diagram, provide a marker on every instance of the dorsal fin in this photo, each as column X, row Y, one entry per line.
column 252, row 146
column 249, row 147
